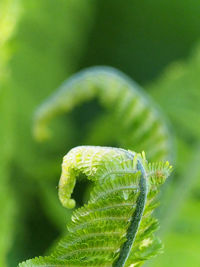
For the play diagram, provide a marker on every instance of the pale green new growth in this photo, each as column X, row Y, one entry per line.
column 115, row 228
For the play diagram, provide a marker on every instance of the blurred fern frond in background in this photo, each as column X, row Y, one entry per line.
column 133, row 120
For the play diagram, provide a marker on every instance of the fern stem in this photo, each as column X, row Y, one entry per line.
column 136, row 219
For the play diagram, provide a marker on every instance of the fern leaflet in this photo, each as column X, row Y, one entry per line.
column 115, row 228
column 142, row 126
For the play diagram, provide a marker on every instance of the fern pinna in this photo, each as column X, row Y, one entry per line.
column 115, row 228
column 142, row 125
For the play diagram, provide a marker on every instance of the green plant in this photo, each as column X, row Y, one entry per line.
column 60, row 37
column 115, row 227
column 142, row 124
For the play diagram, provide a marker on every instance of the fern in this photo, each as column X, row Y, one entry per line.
column 115, row 228
column 142, row 125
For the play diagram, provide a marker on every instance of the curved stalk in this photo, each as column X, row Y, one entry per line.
column 136, row 219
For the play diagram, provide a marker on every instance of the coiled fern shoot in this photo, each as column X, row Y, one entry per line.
column 133, row 120
column 115, row 227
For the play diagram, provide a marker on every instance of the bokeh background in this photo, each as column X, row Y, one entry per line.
column 42, row 43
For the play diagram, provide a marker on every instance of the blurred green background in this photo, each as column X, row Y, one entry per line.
column 157, row 43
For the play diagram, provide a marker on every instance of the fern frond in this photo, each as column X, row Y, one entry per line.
column 115, row 228
column 142, row 126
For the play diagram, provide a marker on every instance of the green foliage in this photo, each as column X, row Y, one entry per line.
column 8, row 16
column 181, row 81
column 7, row 207
column 42, row 43
column 26, row 44
column 56, row 50
column 145, row 128
column 116, row 224
column 126, row 105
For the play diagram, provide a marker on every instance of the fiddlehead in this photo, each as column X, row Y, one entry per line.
column 142, row 126
column 115, row 228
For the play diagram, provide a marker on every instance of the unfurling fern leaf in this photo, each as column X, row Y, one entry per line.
column 115, row 227
column 142, row 125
